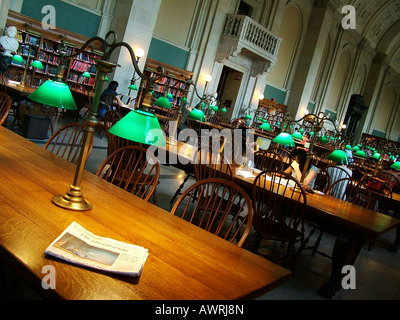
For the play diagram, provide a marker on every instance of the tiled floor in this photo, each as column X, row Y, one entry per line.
column 377, row 271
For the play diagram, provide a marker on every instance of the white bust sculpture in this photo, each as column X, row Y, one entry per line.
column 8, row 42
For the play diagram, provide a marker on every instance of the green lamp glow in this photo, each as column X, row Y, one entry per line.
column 106, row 78
column 86, row 74
column 18, row 59
column 360, row 154
column 223, row 110
column 133, row 87
column 376, row 156
column 311, row 133
column 197, row 114
column 215, row 108
column 163, row 102
column 339, row 156
column 356, row 148
column 266, row 126
column 140, row 126
column 285, row 139
column 55, row 94
column 37, row 64
column 297, row 135
column 247, row 116
column 348, row 147
column 323, row 139
column 395, row 166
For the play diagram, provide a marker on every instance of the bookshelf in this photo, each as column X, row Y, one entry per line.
column 173, row 80
column 44, row 46
column 271, row 111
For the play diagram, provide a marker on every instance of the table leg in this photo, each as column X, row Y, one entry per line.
column 395, row 246
column 346, row 249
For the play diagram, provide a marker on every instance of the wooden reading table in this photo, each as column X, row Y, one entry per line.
column 185, row 261
column 349, row 223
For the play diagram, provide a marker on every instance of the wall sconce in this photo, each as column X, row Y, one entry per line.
column 139, row 53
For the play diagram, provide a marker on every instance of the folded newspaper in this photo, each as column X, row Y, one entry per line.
column 79, row 246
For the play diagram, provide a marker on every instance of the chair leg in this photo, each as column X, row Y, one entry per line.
column 178, row 192
column 316, row 245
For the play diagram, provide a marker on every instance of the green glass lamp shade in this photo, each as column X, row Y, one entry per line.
column 356, row 148
column 133, row 87
column 339, row 156
column 106, row 79
column 55, row 94
column 140, row 126
column 301, row 131
column 18, row 59
column 360, row 154
column 223, row 110
column 248, row 117
column 86, row 74
column 163, row 102
column 395, row 166
column 37, row 64
column 297, row 135
column 215, row 108
column 323, row 139
column 170, row 96
column 197, row 114
column 376, row 156
column 285, row 139
column 266, row 126
column 311, row 133
column 348, row 147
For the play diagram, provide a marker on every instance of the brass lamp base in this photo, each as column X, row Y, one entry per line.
column 72, row 200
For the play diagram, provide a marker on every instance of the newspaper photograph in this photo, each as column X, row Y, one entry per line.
column 79, row 246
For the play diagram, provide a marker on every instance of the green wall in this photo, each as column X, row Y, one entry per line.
column 68, row 17
column 167, row 53
column 272, row 92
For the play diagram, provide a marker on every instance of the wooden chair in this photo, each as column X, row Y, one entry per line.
column 268, row 160
column 211, row 163
column 172, row 114
column 5, row 106
column 336, row 173
column 3, row 83
column 278, row 204
column 351, row 190
column 67, row 142
column 322, row 181
column 391, row 178
column 285, row 155
column 212, row 214
column 214, row 119
column 133, row 169
column 114, row 142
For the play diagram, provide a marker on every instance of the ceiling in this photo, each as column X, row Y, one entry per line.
column 378, row 21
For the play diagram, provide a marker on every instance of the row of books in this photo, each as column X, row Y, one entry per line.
column 79, row 79
column 32, row 40
column 80, row 66
column 48, row 46
column 87, row 57
column 49, row 58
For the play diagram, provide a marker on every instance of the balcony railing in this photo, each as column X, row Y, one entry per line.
column 252, row 36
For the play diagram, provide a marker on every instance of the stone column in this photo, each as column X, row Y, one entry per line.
column 373, row 89
column 319, row 24
column 134, row 22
